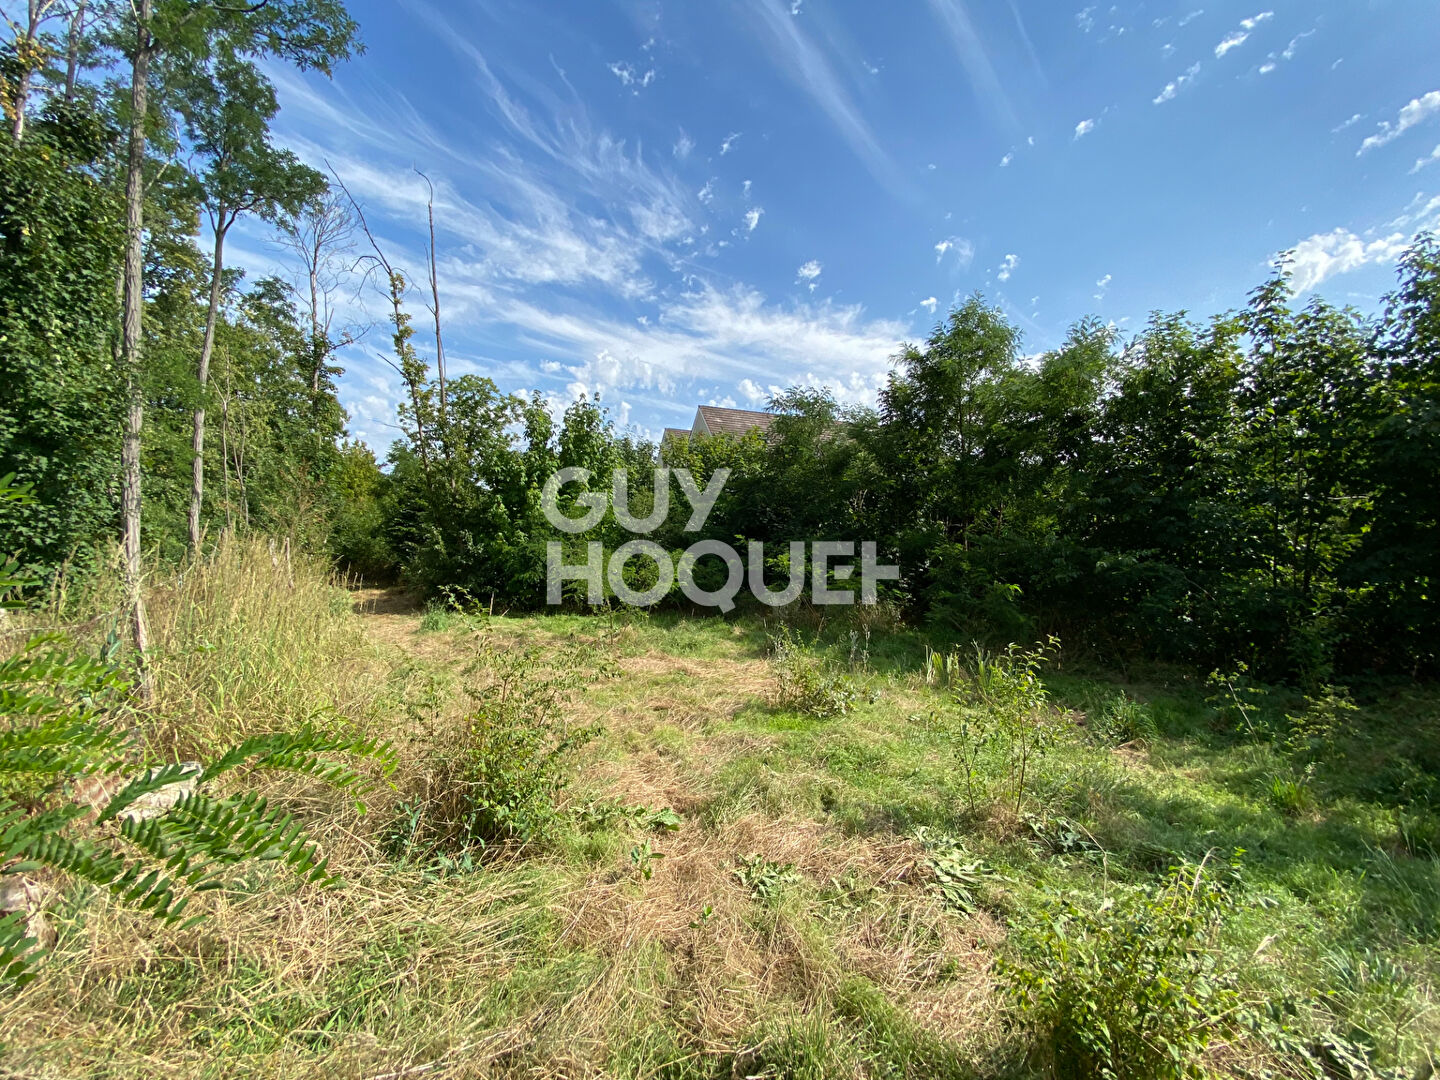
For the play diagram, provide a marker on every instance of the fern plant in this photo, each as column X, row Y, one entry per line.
column 59, row 730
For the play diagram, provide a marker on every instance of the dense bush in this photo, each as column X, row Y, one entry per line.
column 1133, row 988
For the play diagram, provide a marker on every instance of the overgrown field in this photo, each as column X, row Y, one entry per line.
column 679, row 846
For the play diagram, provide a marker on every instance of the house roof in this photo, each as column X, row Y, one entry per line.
column 675, row 433
column 734, row 421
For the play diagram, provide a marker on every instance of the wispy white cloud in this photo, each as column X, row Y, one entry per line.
column 1083, row 128
column 728, row 143
column 1230, row 41
column 723, row 335
column 1179, row 83
column 1085, row 19
column 1289, row 51
column 707, row 193
column 1188, row 19
column 1275, row 59
column 1417, row 111
column 631, row 78
column 1346, row 125
column 1007, row 159
column 963, row 250
column 1320, row 257
column 1104, row 286
column 1008, row 266
column 929, row 304
column 803, row 61
column 683, row 146
column 955, row 17
column 545, row 223
column 808, row 272
column 1420, row 163
column 1237, row 38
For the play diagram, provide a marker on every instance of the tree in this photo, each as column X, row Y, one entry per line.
column 307, row 33
column 227, row 109
column 320, row 235
column 29, row 52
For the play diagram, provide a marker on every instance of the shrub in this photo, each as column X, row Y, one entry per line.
column 1130, row 989
column 1122, row 719
column 498, row 776
column 806, row 683
column 1000, row 724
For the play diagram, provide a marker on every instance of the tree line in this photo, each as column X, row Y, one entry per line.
column 1259, row 487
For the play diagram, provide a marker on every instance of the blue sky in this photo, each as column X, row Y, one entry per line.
column 675, row 203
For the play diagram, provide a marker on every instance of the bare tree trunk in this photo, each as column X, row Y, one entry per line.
column 130, row 335
column 317, row 350
column 29, row 54
column 207, row 346
column 435, row 309
column 225, row 449
column 72, row 52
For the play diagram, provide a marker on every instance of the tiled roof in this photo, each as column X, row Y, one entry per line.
column 675, row 433
column 734, row 421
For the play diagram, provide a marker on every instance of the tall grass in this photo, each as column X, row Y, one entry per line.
column 246, row 638
column 250, row 638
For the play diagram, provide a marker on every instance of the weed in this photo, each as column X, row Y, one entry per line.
column 1237, row 698
column 805, row 683
column 957, row 873
column 1122, row 719
column 643, row 857
column 1290, row 793
column 600, row 814
column 1132, row 989
column 1000, row 724
column 766, row 880
column 499, row 776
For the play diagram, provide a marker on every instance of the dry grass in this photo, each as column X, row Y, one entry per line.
column 539, row 962
column 562, row 959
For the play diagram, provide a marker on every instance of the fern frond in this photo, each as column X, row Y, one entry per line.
column 299, row 752
column 147, row 782
column 76, row 745
column 17, row 950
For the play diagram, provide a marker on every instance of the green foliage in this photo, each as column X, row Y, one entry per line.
column 610, row 814
column 766, row 880
column 1000, row 724
column 643, row 858
column 1132, row 989
column 1122, row 719
column 497, row 776
column 958, row 873
column 59, row 412
column 805, row 682
column 61, row 729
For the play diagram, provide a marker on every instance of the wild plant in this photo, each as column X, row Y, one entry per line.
column 805, row 683
column 497, row 773
column 1132, row 988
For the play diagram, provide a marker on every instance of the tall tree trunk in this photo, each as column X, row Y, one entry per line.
column 435, row 295
column 225, row 449
column 29, row 54
column 72, row 52
column 319, row 342
column 130, row 334
column 207, row 346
